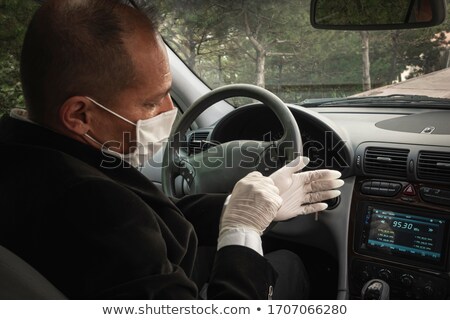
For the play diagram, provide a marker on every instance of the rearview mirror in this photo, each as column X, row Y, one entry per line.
column 376, row 14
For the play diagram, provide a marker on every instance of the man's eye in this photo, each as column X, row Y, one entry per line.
column 151, row 105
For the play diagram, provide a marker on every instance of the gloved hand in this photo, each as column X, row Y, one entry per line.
column 253, row 204
column 303, row 192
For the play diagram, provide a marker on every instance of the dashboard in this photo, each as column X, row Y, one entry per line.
column 321, row 141
column 393, row 219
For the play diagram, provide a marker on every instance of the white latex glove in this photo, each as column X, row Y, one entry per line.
column 253, row 204
column 303, row 192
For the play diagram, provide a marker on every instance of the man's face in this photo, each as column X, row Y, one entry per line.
column 147, row 97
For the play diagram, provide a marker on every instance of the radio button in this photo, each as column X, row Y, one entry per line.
column 407, row 280
column 380, row 188
column 384, row 185
column 438, row 196
column 365, row 189
column 385, row 274
column 364, row 276
column 428, row 290
column 407, row 199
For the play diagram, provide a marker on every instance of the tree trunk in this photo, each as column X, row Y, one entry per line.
column 260, row 68
column 192, row 45
column 366, row 60
column 447, row 49
column 260, row 52
column 219, row 76
column 280, row 76
column 393, row 73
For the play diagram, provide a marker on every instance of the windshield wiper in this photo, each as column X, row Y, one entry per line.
column 389, row 100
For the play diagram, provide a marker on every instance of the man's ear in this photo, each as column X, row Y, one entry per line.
column 75, row 114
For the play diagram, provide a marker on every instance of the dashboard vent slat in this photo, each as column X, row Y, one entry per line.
column 434, row 166
column 386, row 161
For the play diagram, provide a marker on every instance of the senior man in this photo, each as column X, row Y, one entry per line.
column 96, row 73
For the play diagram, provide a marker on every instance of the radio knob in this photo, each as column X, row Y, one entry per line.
column 407, row 280
column 428, row 290
column 384, row 274
column 364, row 276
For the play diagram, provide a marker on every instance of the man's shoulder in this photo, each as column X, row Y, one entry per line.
column 41, row 166
column 30, row 149
column 50, row 182
column 38, row 164
column 34, row 149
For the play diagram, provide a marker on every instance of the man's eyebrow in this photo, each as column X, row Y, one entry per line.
column 159, row 96
column 168, row 90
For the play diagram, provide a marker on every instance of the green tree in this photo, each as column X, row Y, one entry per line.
column 14, row 18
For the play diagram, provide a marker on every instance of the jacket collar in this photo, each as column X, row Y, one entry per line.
column 20, row 132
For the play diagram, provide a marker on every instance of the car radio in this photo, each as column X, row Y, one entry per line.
column 416, row 237
column 406, row 246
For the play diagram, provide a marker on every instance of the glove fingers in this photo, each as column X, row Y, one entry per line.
column 323, row 185
column 297, row 164
column 318, row 175
column 283, row 177
column 292, row 167
column 286, row 213
column 321, row 196
column 326, row 174
column 314, row 207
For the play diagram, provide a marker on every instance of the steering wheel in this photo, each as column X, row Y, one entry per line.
column 217, row 169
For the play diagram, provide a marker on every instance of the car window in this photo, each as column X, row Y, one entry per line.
column 269, row 43
column 272, row 44
column 14, row 18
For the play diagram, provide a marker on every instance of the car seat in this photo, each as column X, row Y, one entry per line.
column 20, row 281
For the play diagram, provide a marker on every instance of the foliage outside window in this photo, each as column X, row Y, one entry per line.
column 272, row 44
column 266, row 42
column 14, row 17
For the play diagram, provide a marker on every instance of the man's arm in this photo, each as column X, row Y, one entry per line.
column 203, row 211
column 238, row 272
column 102, row 241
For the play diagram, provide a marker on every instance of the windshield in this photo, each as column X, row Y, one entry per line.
column 271, row 43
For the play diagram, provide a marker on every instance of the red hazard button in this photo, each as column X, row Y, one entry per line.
column 409, row 190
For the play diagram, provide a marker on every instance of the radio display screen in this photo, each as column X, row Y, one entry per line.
column 418, row 236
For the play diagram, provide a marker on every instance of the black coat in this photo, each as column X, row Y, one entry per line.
column 102, row 230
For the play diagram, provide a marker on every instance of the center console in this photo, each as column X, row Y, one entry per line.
column 399, row 233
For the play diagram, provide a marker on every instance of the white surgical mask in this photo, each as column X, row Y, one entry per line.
column 151, row 134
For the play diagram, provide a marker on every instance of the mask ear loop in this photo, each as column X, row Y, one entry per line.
column 95, row 140
column 110, row 111
column 103, row 148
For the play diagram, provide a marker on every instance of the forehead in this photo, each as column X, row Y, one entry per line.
column 149, row 57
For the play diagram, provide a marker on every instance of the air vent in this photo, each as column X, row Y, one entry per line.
column 386, row 161
column 198, row 141
column 434, row 166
